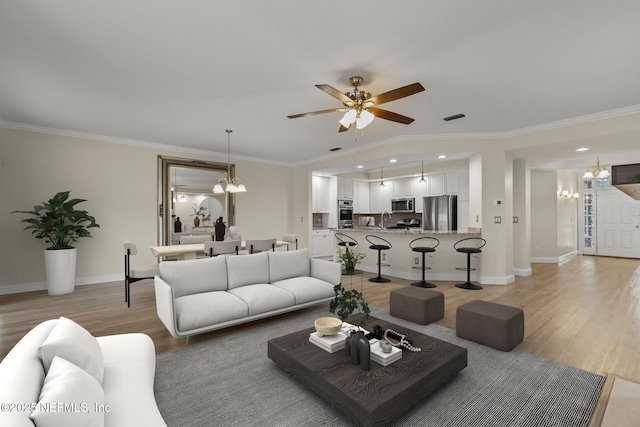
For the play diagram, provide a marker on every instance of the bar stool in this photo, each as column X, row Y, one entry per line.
column 347, row 241
column 379, row 244
column 424, row 245
column 469, row 245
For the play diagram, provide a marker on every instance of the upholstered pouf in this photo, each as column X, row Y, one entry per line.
column 494, row 325
column 418, row 305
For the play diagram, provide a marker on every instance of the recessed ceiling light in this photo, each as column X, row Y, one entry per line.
column 582, row 149
column 392, row 161
column 442, row 156
column 360, row 166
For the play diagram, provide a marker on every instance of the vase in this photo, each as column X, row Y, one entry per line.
column 60, row 266
column 360, row 351
column 196, row 221
column 350, row 268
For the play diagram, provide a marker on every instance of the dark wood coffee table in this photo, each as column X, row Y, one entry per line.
column 375, row 397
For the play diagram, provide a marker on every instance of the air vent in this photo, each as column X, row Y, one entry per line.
column 454, row 117
column 336, row 149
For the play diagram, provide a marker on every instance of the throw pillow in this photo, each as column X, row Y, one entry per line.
column 69, row 397
column 75, row 344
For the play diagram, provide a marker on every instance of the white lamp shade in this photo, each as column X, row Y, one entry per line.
column 364, row 119
column 217, row 189
column 604, row 173
column 348, row 118
column 588, row 175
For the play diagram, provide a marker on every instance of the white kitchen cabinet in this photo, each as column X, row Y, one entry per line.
column 397, row 187
column 451, row 183
column 380, row 197
column 361, row 197
column 420, row 191
column 320, row 194
column 323, row 243
column 436, row 185
column 463, row 184
column 345, row 188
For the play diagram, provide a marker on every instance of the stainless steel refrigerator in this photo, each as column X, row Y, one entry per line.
column 440, row 212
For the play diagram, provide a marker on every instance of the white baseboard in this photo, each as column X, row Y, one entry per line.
column 554, row 260
column 523, row 271
column 42, row 286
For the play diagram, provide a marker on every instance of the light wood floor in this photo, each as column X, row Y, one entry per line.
column 584, row 312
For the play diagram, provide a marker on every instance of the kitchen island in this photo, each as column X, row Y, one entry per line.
column 402, row 259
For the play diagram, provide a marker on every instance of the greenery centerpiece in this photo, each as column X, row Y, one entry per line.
column 346, row 302
column 349, row 258
column 59, row 224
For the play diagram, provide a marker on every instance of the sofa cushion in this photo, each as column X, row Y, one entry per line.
column 75, row 344
column 200, row 310
column 285, row 265
column 248, row 269
column 195, row 275
column 69, row 398
column 263, row 297
column 306, row 289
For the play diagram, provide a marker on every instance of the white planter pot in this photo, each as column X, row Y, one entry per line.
column 60, row 266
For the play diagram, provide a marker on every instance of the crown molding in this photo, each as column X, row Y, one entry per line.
column 131, row 142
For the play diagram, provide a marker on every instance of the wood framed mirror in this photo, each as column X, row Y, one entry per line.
column 185, row 191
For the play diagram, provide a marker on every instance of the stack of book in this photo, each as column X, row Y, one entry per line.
column 379, row 356
column 331, row 343
column 334, row 343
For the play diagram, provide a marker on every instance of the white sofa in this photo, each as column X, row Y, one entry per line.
column 196, row 296
column 60, row 375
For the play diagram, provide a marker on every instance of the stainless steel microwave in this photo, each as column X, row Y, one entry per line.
column 403, row 205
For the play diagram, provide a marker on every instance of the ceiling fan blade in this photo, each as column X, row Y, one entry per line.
column 388, row 115
column 335, row 93
column 398, row 93
column 343, row 129
column 295, row 116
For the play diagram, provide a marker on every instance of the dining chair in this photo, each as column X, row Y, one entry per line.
column 135, row 274
column 290, row 238
column 215, row 248
column 255, row 246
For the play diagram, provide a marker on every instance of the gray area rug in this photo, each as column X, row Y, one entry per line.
column 230, row 381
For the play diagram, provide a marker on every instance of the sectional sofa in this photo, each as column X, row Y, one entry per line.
column 201, row 295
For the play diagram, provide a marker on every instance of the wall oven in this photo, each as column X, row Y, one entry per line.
column 403, row 205
column 345, row 213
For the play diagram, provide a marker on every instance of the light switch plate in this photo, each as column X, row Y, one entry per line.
column 497, row 219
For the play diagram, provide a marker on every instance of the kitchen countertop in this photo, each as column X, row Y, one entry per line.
column 413, row 231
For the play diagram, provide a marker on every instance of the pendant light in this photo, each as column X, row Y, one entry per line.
column 381, row 180
column 422, row 180
column 233, row 185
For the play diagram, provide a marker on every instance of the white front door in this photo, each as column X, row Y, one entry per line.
column 618, row 224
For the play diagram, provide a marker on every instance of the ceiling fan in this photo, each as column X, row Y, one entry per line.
column 361, row 108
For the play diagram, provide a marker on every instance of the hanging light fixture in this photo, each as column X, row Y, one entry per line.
column 233, row 185
column 596, row 172
column 422, row 180
column 381, row 180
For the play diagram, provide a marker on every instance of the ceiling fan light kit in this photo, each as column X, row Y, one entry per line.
column 361, row 107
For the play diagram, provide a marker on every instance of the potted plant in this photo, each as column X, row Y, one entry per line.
column 349, row 258
column 59, row 224
column 345, row 302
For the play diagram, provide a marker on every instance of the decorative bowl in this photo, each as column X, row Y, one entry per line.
column 328, row 325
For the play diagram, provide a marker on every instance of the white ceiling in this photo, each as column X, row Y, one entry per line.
column 180, row 73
